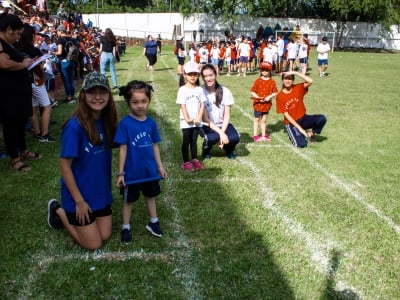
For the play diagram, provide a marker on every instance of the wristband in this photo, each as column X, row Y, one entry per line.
column 120, row 174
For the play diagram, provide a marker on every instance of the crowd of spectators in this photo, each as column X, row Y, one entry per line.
column 46, row 25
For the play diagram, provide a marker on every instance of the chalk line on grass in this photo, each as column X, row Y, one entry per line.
column 185, row 269
column 340, row 183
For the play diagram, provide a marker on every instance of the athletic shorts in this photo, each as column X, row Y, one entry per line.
column 303, row 60
column 181, row 61
column 258, row 114
column 149, row 189
column 243, row 59
column 322, row 62
column 40, row 96
column 50, row 84
column 107, row 211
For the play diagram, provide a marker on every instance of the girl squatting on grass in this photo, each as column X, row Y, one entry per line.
column 217, row 115
column 191, row 99
column 85, row 163
column 290, row 103
column 139, row 167
column 263, row 90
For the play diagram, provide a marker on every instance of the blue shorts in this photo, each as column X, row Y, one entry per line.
column 258, row 114
column 214, row 61
column 303, row 60
column 243, row 59
column 149, row 189
column 322, row 62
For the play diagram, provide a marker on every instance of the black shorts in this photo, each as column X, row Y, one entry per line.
column 149, row 189
column 181, row 61
column 107, row 211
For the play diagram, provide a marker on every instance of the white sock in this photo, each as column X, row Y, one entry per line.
column 126, row 226
column 154, row 220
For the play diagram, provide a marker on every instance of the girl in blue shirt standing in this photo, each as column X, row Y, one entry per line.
column 139, row 167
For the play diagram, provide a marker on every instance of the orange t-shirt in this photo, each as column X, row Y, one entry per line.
column 292, row 102
column 233, row 52
column 263, row 88
column 261, row 51
column 222, row 51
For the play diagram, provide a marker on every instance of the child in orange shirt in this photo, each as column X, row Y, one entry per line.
column 263, row 90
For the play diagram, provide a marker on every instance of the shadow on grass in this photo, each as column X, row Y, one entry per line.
column 228, row 257
column 278, row 126
column 330, row 293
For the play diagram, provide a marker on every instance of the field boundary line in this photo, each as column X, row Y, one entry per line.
column 340, row 183
column 185, row 269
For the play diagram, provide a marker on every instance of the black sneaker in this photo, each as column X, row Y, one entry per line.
column 154, row 229
column 52, row 218
column 126, row 236
column 46, row 139
column 53, row 103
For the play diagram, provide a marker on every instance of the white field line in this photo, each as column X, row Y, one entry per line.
column 185, row 269
column 318, row 249
column 340, row 183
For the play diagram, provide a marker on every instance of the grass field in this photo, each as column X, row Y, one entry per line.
column 276, row 223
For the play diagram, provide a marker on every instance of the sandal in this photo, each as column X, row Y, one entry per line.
column 30, row 155
column 18, row 165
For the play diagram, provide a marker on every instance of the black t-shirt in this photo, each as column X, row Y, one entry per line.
column 107, row 46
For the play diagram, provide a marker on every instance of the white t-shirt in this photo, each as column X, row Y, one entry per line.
column 322, row 48
column 268, row 54
column 203, row 55
column 216, row 114
column 192, row 98
column 303, row 50
column 280, row 44
column 292, row 49
column 244, row 49
column 192, row 55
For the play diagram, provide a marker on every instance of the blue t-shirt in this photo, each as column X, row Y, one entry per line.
column 151, row 47
column 139, row 137
column 91, row 167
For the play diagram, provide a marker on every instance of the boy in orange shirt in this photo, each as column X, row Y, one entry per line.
column 289, row 102
column 263, row 90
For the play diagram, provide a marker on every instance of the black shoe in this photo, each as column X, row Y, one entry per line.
column 126, row 236
column 154, row 229
column 53, row 219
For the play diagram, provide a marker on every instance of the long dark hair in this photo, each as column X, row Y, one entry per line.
column 10, row 20
column 25, row 42
column 219, row 92
column 109, row 36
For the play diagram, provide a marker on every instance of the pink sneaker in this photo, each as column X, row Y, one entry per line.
column 257, row 138
column 266, row 138
column 187, row 166
column 197, row 164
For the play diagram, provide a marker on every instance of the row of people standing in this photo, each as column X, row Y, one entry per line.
column 244, row 54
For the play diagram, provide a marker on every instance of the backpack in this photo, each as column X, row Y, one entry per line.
column 72, row 50
column 176, row 50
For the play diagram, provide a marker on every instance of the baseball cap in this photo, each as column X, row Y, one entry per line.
column 191, row 67
column 265, row 65
column 61, row 28
column 179, row 38
column 95, row 79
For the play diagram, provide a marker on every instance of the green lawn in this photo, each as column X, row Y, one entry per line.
column 276, row 223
